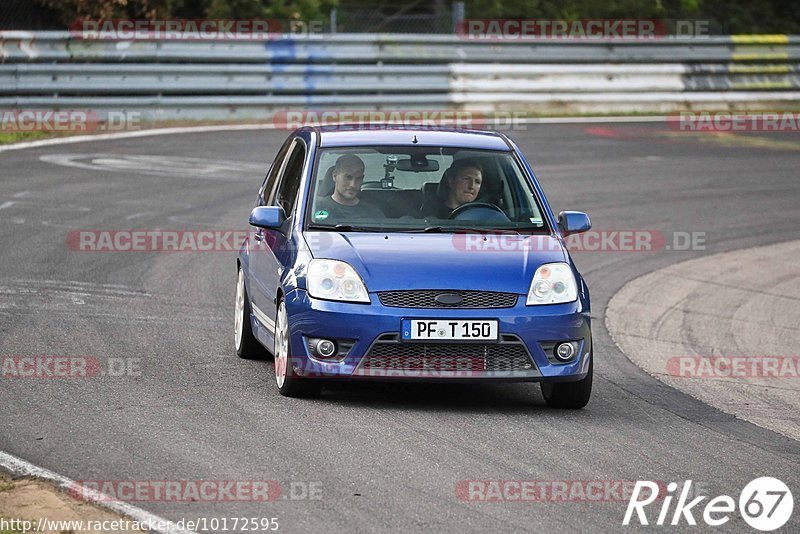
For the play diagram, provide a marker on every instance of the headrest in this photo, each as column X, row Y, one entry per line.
column 491, row 188
column 429, row 189
column 326, row 186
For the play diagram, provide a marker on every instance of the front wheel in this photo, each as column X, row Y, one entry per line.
column 571, row 395
column 289, row 384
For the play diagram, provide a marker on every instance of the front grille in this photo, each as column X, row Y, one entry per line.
column 427, row 299
column 389, row 354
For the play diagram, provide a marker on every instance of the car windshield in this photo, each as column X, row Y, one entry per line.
column 424, row 189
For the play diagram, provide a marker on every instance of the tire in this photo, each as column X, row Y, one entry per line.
column 247, row 346
column 570, row 395
column 289, row 384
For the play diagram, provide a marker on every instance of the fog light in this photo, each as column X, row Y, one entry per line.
column 326, row 348
column 565, row 351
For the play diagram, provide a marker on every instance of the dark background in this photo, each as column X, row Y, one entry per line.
column 422, row 16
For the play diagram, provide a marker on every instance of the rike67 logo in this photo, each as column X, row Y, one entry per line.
column 765, row 504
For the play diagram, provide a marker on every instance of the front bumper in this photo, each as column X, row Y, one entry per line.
column 535, row 327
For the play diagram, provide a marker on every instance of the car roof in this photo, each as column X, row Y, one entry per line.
column 388, row 134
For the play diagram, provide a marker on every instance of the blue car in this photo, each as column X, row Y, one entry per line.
column 415, row 254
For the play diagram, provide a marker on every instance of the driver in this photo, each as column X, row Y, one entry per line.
column 460, row 184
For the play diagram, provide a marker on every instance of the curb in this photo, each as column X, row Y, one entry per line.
column 20, row 468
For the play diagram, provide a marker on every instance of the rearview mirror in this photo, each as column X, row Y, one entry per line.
column 417, row 163
column 271, row 217
column 573, row 222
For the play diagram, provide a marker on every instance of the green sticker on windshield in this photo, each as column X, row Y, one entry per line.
column 321, row 215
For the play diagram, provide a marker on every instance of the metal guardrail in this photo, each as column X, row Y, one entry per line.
column 88, row 79
column 411, row 48
column 229, row 78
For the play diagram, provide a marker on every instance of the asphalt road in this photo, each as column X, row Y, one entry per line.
column 387, row 458
column 679, row 321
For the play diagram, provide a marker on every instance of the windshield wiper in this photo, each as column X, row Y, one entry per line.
column 433, row 229
column 444, row 229
column 343, row 228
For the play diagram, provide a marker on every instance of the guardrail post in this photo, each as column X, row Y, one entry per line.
column 458, row 15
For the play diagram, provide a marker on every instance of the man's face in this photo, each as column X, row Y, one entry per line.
column 464, row 186
column 348, row 181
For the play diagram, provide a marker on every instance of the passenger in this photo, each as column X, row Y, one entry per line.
column 460, row 184
column 344, row 204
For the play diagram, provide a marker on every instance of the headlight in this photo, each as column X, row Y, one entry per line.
column 553, row 283
column 335, row 280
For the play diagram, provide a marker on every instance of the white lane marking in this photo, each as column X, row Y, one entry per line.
column 56, row 207
column 19, row 467
column 593, row 120
column 21, row 194
column 139, row 133
column 69, row 287
column 647, row 158
column 188, row 219
column 159, row 165
column 139, row 214
column 246, row 127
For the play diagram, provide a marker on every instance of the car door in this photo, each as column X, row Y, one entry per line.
column 271, row 254
column 265, row 198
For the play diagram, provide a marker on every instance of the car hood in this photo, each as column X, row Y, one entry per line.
column 398, row 261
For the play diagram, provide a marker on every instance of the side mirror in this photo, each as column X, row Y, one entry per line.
column 271, row 217
column 573, row 222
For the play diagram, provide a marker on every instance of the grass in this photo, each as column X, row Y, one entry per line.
column 6, row 531
column 16, row 137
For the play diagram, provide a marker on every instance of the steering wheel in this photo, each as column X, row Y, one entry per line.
column 463, row 208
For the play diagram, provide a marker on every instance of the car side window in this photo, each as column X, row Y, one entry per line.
column 291, row 178
column 268, row 189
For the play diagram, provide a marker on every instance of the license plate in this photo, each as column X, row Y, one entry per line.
column 449, row 329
